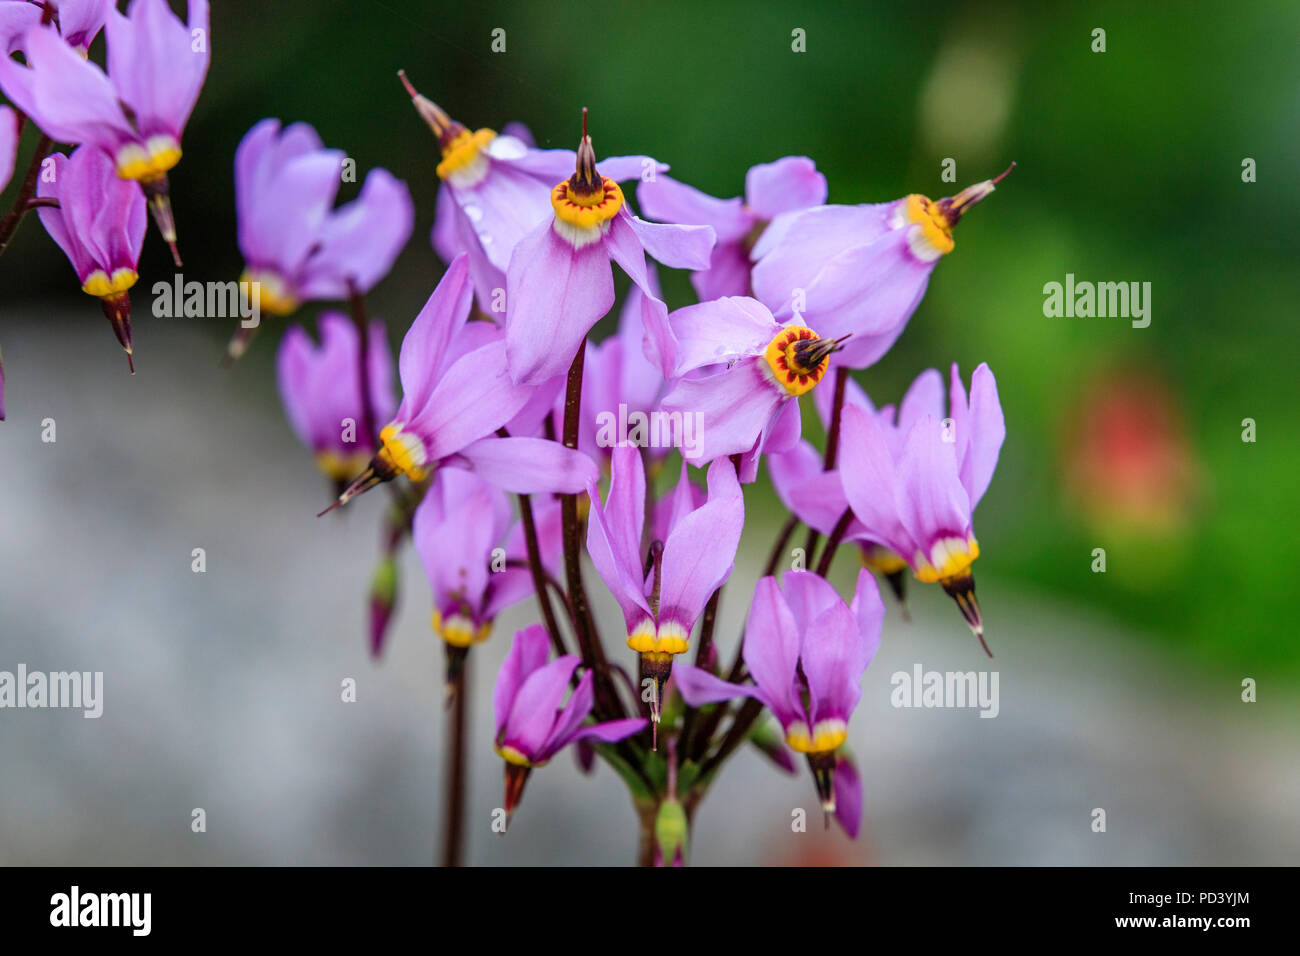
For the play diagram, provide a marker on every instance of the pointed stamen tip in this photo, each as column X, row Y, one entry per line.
column 176, row 253
column 979, row 632
column 339, row 501
column 1003, row 174
column 584, row 123
column 410, row 88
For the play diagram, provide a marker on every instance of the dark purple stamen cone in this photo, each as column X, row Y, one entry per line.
column 961, row 588
column 516, row 778
column 897, row 581
column 822, row 766
column 117, row 308
column 156, row 191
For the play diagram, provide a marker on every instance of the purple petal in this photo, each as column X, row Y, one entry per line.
column 8, row 143
column 771, row 649
column 536, row 707
column 933, row 500
column 530, row 465
column 988, row 429
column 869, row 611
column 503, row 208
column 788, row 184
column 153, row 64
column 359, row 241
column 67, row 96
column 848, row 796
column 681, row 247
column 421, row 360
column 527, row 654
column 472, row 400
column 701, row 550
column 612, row 731
column 455, row 528
column 625, row 248
column 733, row 406
column 667, row 200
column 614, row 533
column 728, row 273
column 575, row 712
column 871, row 483
column 712, row 333
column 698, row 687
column 793, row 249
column 554, row 295
column 924, row 397
column 833, row 656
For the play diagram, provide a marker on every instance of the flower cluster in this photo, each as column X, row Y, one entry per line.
column 503, row 392
column 519, row 453
column 123, row 122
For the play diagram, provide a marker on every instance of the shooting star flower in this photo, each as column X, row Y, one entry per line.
column 859, row 270
column 77, row 21
column 136, row 112
column 663, row 597
column 744, row 369
column 456, row 392
column 531, row 723
column 807, row 652
column 296, row 246
column 99, row 224
column 560, row 281
column 914, row 492
column 320, row 387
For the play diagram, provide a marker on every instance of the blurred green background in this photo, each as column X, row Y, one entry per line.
column 1130, row 169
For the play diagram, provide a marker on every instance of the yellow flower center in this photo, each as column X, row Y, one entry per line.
column 824, row 737
column 462, row 158
column 882, row 560
column 403, row 452
column 100, row 283
column 585, row 213
column 789, row 360
column 340, row 467
column 932, row 235
column 669, row 638
column 948, row 558
column 511, row 755
column 269, row 291
column 149, row 161
column 458, row 630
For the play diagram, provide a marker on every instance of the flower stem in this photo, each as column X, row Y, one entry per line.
column 453, row 843
column 13, row 219
column 832, row 450
column 538, row 573
column 608, row 706
column 832, row 545
column 357, row 302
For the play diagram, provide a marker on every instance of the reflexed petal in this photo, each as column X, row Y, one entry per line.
column 472, row 400
column 724, row 330
column 667, row 200
column 67, row 96
column 421, row 361
column 614, row 533
column 681, row 247
column 530, row 465
column 771, row 649
column 153, row 63
column 933, row 500
column 527, row 654
column 701, row 550
column 733, row 408
column 554, row 295
column 359, row 241
column 698, row 687
column 788, row 184
column 536, row 706
column 870, row 480
column 575, row 712
column 988, row 429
